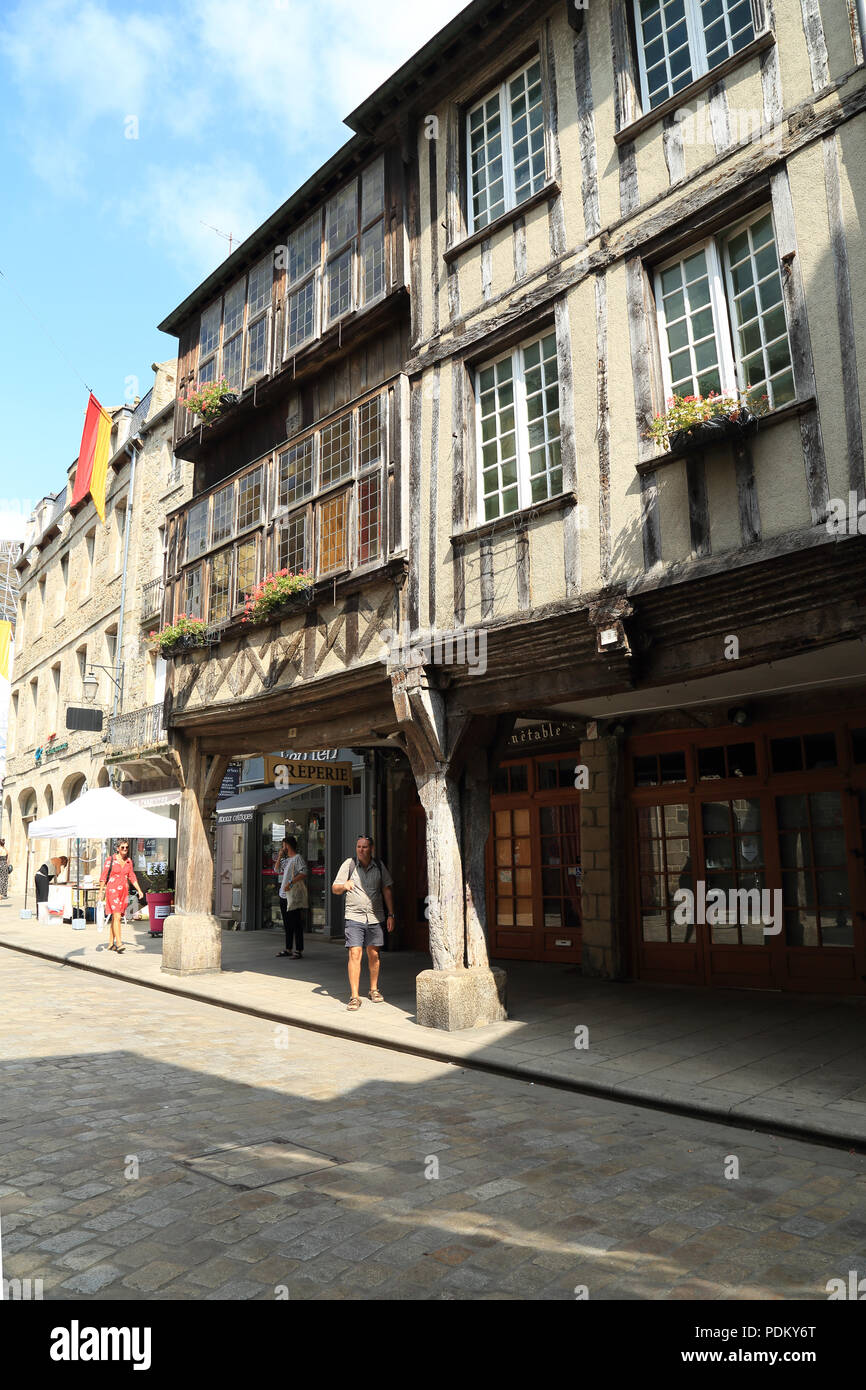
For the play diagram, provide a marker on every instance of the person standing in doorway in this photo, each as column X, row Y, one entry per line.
column 279, row 866
column 293, row 893
column 117, row 874
column 366, row 882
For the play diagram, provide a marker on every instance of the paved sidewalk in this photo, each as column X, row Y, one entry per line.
column 782, row 1063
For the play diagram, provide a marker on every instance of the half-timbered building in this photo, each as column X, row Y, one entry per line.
column 627, row 670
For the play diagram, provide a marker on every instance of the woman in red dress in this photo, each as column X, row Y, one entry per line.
column 116, row 877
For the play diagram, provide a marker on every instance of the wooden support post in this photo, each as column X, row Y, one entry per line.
column 192, row 937
column 461, row 991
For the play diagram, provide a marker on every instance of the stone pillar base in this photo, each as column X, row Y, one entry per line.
column 455, row 999
column 191, row 944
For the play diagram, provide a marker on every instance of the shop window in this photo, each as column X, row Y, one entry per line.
column 733, row 760
column 734, row 862
column 808, row 751
column 558, row 772
column 819, row 751
column 664, row 863
column 662, row 769
column 815, row 888
column 513, row 868
column 560, row 865
column 511, row 779
column 858, row 745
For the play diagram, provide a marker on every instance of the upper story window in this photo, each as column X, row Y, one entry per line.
column 722, row 324
column 505, row 156
column 327, row 488
column 234, row 333
column 336, row 259
column 518, row 432
column 679, row 40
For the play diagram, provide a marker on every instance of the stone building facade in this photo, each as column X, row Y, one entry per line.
column 88, row 595
column 587, row 211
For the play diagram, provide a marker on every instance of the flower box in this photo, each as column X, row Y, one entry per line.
column 699, row 422
column 713, row 431
column 276, row 595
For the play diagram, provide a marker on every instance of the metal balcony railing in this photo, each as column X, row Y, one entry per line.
column 151, row 599
column 138, row 729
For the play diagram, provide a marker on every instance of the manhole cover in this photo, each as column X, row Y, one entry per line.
column 260, row 1165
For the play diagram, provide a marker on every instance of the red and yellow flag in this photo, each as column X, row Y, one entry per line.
column 93, row 457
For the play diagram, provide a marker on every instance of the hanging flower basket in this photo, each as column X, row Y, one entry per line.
column 699, row 422
column 275, row 595
column 180, row 636
column 210, row 400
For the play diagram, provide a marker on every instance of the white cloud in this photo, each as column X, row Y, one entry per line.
column 243, row 77
column 173, row 207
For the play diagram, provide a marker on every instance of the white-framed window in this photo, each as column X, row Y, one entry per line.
column 505, row 153
column 679, row 40
column 518, row 429
column 721, row 317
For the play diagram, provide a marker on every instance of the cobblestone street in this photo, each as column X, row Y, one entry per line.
column 156, row 1147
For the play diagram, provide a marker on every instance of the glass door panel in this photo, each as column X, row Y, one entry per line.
column 816, row 892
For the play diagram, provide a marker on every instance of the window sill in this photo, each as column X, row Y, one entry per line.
column 515, row 521
column 694, row 89
column 504, row 220
column 765, row 422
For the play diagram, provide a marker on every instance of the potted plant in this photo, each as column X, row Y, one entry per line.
column 208, row 401
column 178, row 636
column 697, row 422
column 275, row 594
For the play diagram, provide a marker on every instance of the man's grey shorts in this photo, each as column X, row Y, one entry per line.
column 358, row 934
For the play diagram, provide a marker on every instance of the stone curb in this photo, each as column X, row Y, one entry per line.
column 623, row 1091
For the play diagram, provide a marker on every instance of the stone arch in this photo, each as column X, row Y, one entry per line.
column 73, row 787
column 49, row 800
column 102, row 778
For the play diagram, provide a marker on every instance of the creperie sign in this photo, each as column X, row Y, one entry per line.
column 284, row 774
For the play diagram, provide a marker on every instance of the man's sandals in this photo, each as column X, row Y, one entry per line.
column 354, row 1002
column 377, row 998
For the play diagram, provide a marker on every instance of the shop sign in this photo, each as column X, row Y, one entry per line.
column 547, row 732
column 231, row 783
column 237, row 817
column 288, row 773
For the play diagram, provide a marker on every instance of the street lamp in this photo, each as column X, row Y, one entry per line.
column 90, row 682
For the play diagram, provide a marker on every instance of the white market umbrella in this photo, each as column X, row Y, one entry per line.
column 102, row 814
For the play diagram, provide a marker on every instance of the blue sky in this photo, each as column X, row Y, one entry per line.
column 233, row 104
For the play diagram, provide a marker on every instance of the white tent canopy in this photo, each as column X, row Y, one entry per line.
column 102, row 814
